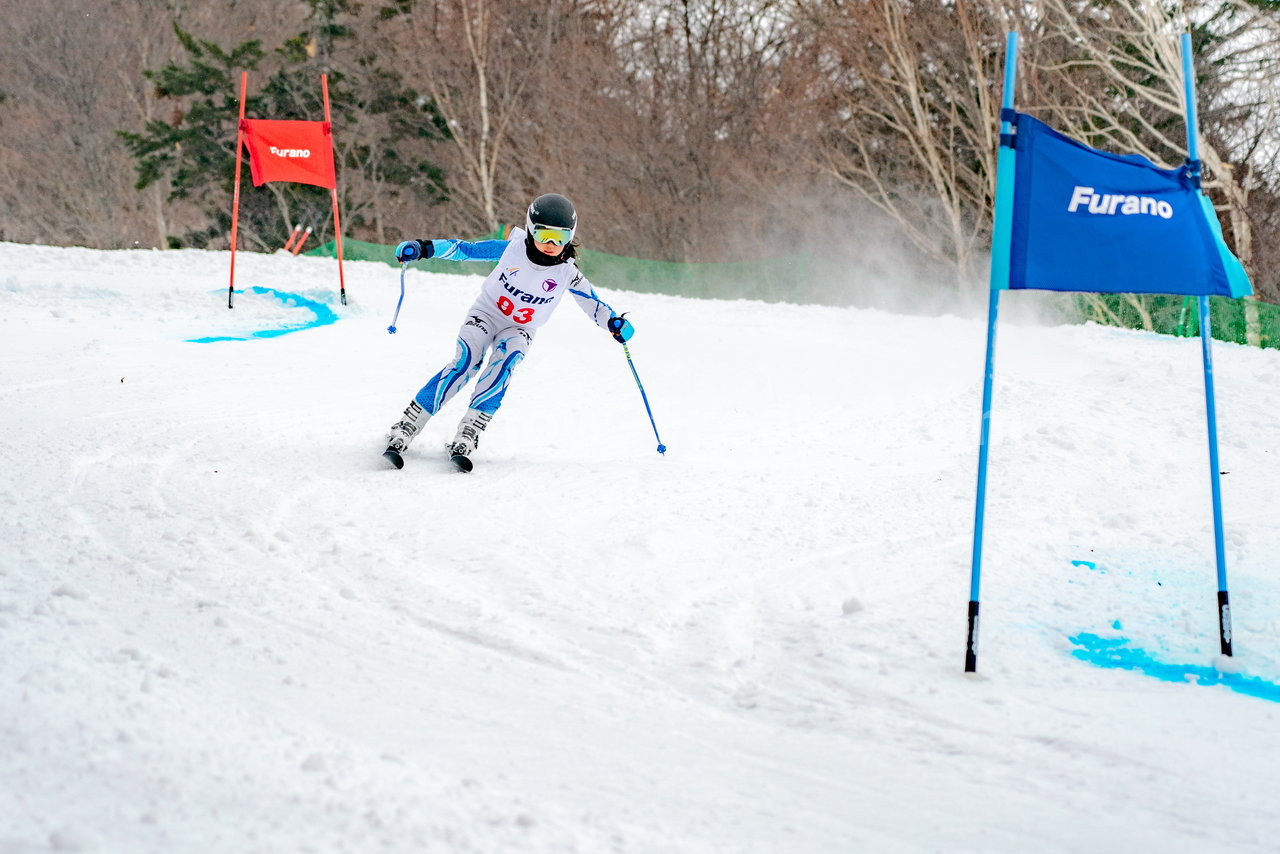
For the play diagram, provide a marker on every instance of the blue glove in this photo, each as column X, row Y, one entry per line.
column 411, row 250
column 621, row 328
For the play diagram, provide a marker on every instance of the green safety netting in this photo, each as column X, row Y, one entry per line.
column 1175, row 315
column 799, row 278
column 771, row 279
column 359, row 250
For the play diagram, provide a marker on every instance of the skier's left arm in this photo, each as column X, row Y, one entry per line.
column 600, row 312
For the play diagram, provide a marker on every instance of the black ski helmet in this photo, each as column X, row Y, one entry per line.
column 551, row 209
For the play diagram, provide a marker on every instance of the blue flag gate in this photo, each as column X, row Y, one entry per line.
column 1073, row 218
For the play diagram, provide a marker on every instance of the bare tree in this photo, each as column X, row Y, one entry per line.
column 485, row 90
column 1113, row 77
column 686, row 130
column 646, row 113
column 704, row 78
column 71, row 75
column 911, row 114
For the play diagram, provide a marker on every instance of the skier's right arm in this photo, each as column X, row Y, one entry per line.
column 451, row 250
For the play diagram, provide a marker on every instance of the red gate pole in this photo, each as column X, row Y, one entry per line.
column 235, row 196
column 288, row 244
column 337, row 223
column 297, row 247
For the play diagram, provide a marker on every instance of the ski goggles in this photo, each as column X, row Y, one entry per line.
column 552, row 234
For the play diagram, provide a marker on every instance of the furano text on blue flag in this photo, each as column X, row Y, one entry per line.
column 1110, row 204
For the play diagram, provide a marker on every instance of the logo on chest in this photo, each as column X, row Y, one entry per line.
column 550, row 285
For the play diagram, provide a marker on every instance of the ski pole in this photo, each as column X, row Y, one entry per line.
column 662, row 449
column 392, row 328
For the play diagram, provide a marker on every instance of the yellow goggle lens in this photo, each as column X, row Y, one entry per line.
column 549, row 234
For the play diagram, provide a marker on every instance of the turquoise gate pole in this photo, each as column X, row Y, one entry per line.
column 1215, row 472
column 1000, row 242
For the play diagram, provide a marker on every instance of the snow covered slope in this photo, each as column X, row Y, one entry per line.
column 226, row 625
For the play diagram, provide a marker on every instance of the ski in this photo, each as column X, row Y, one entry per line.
column 462, row 461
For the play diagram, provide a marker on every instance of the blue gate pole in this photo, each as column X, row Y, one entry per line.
column 1001, row 239
column 1206, row 337
column 1215, row 474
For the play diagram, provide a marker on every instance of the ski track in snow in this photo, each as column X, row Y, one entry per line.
column 228, row 626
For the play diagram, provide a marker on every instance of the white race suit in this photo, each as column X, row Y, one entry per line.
column 515, row 299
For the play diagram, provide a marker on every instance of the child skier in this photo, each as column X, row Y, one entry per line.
column 535, row 268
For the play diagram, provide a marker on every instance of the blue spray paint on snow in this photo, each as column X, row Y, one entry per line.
column 323, row 317
column 1116, row 652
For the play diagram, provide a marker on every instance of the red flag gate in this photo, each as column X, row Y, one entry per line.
column 286, row 150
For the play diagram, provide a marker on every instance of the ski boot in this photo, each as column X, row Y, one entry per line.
column 464, row 444
column 403, row 432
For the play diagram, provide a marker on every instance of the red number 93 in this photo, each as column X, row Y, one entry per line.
column 507, row 307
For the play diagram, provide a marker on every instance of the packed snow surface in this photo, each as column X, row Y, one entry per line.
column 227, row 625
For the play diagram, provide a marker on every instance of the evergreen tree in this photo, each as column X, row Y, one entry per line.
column 379, row 127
